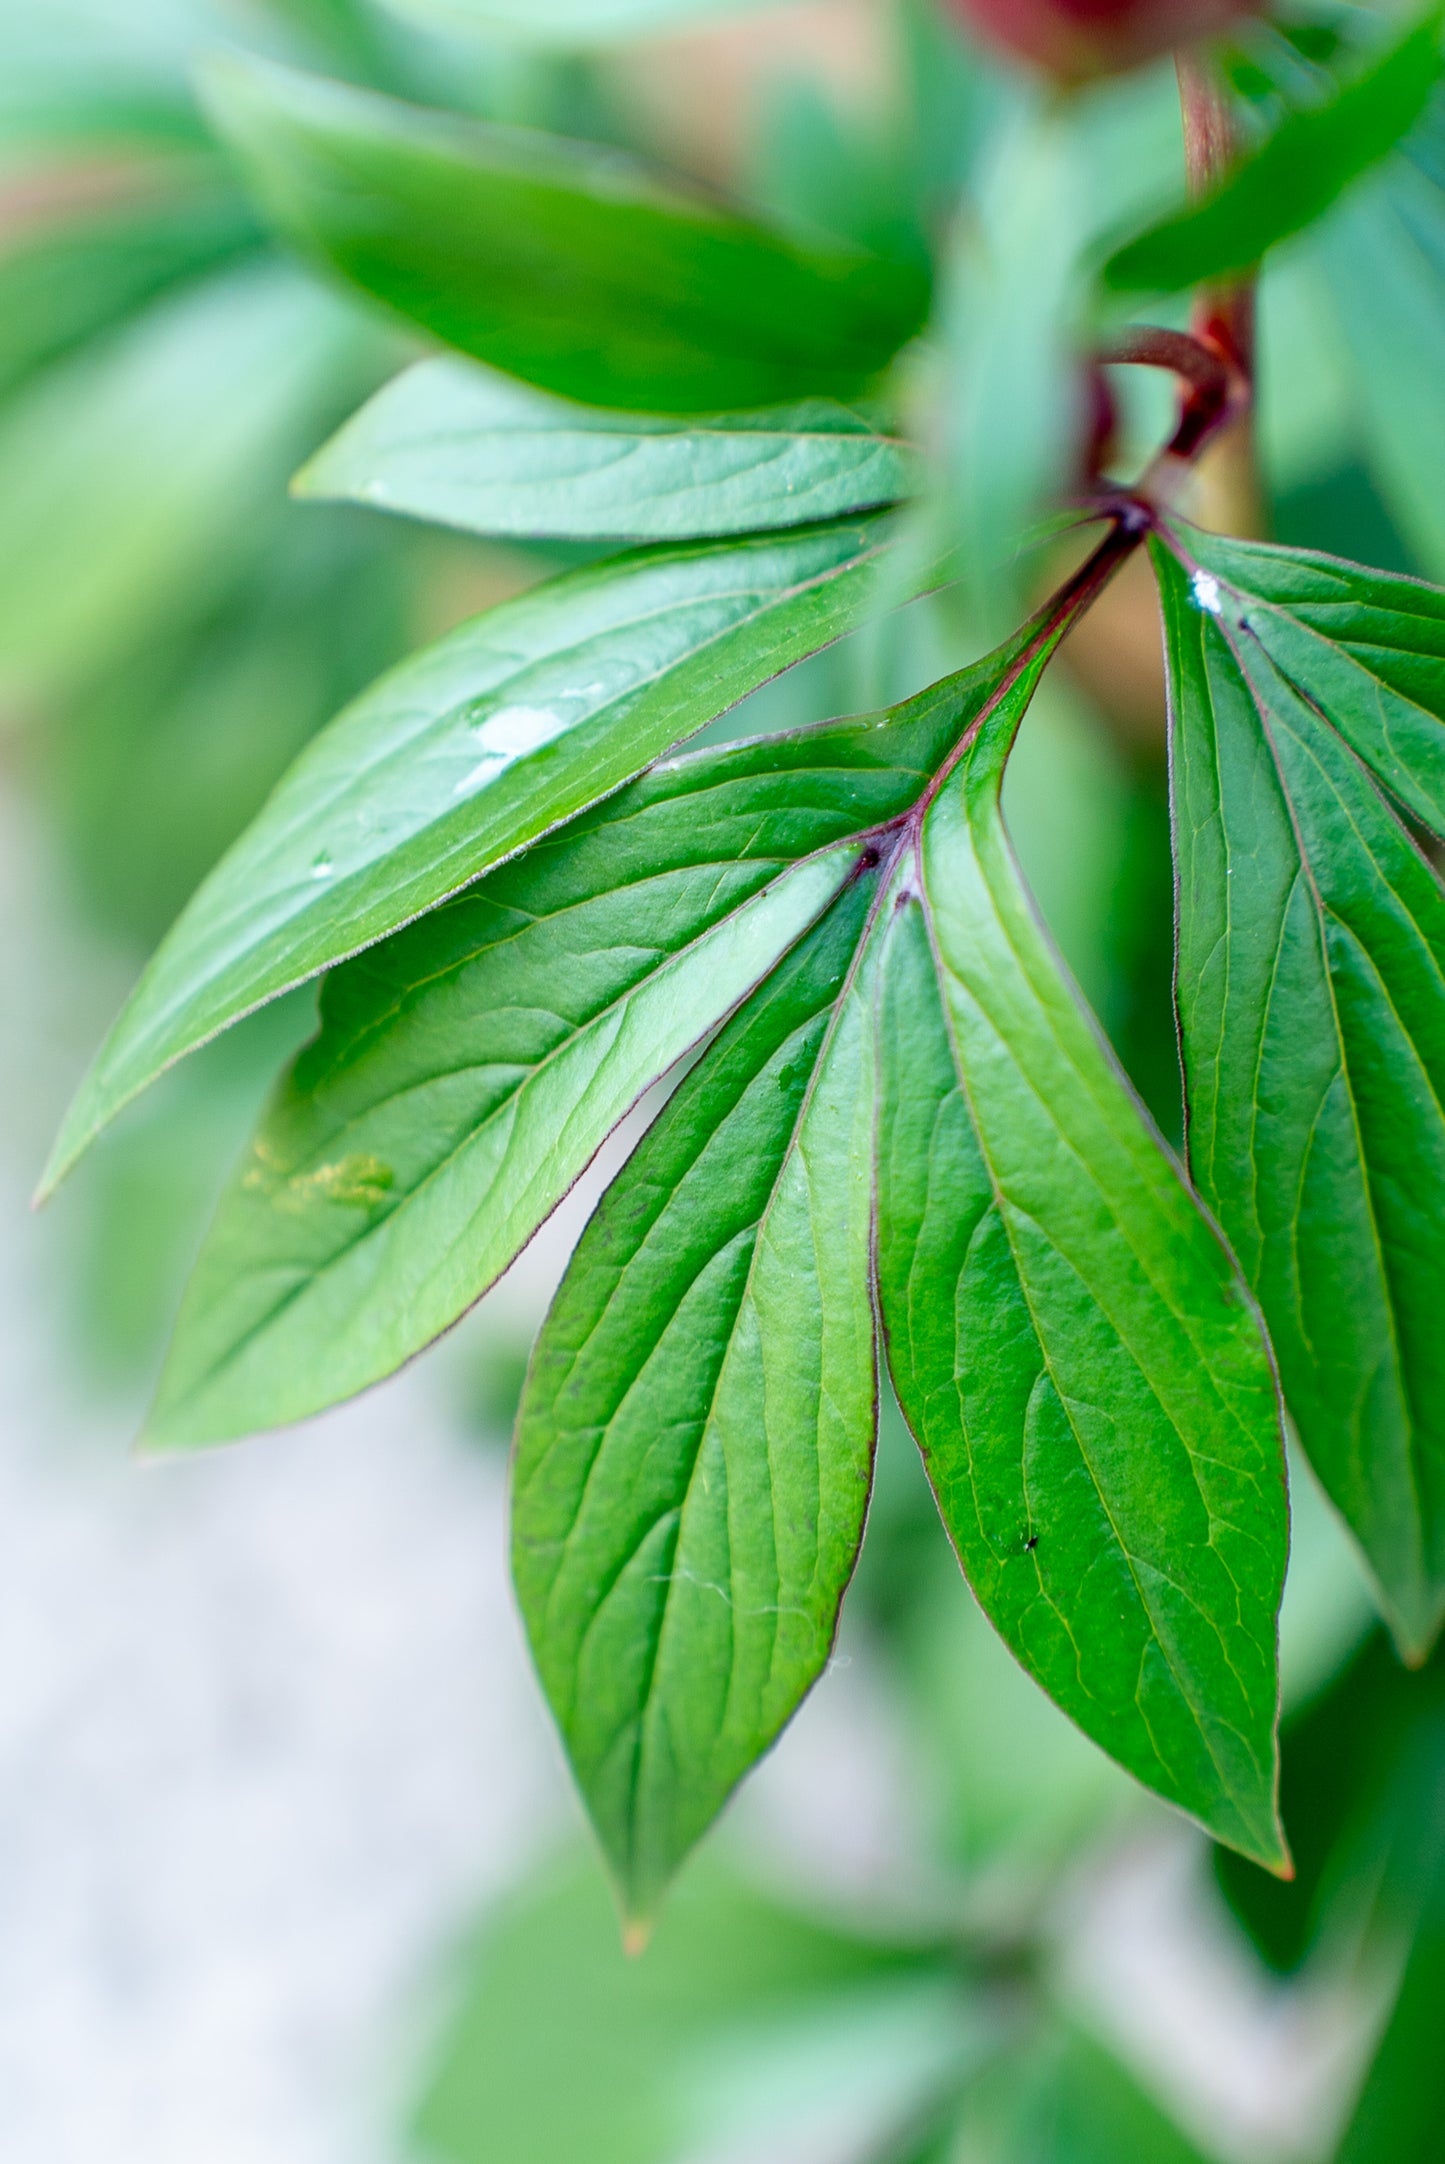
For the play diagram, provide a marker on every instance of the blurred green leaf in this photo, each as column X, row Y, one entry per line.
column 1308, row 162
column 1398, row 2115
column 468, row 1067
column 1070, row 1342
column 1011, row 1813
column 1053, row 2095
column 1304, row 394
column 68, row 277
column 452, row 442
column 1007, row 323
column 569, row 265
column 1382, row 260
column 1362, row 1775
column 747, row 2023
column 465, row 754
column 1052, row 175
column 152, row 771
column 1311, row 984
column 822, row 169
column 1103, row 2115
column 88, row 75
column 954, row 95
column 681, row 1601
column 132, row 471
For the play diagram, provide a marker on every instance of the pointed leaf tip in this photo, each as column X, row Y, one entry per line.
column 637, row 1936
column 1311, row 993
column 1071, row 1344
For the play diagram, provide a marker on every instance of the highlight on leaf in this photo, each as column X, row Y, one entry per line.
column 463, row 755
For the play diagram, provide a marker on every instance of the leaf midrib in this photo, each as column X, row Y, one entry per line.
column 1185, row 1692
column 506, row 1105
column 880, row 873
column 1321, row 912
column 164, row 1022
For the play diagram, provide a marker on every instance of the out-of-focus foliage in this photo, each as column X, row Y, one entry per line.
column 1294, row 177
column 171, row 632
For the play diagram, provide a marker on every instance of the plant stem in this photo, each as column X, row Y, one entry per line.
column 1214, row 361
column 1224, row 315
column 1210, row 139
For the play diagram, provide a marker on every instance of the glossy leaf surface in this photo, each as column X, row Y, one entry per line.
column 457, row 444
column 696, row 1438
column 465, row 754
column 571, row 266
column 468, row 1068
column 1311, row 988
column 1309, row 161
column 1362, row 1772
column 1070, row 1341
column 1367, row 647
column 404, row 1166
column 72, row 277
column 695, row 1446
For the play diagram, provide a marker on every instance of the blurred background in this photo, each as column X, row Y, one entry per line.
column 289, row 1866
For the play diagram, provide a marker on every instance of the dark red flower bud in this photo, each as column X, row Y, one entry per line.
column 1074, row 39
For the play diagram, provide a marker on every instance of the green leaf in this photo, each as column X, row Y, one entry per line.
column 403, row 1167
column 750, row 2028
column 452, row 442
column 1102, row 2115
column 1007, row 319
column 695, row 1445
column 1308, row 162
column 96, row 74
column 1070, row 1341
column 465, row 754
column 568, row 265
column 1052, row 2095
column 681, row 1601
column 468, row 1068
column 1311, row 988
